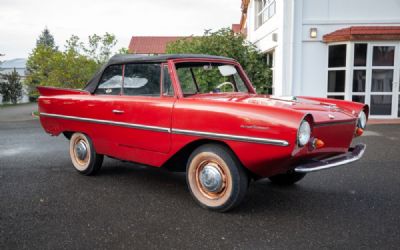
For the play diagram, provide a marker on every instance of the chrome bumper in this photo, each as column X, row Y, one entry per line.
column 353, row 154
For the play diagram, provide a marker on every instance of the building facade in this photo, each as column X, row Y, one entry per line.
column 344, row 49
column 19, row 64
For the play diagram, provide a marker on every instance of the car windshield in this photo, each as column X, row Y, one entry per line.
column 206, row 77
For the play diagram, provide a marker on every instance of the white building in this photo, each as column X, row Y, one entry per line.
column 19, row 64
column 345, row 49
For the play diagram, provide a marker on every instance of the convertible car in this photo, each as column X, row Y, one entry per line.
column 201, row 115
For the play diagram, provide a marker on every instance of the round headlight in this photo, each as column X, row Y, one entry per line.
column 304, row 133
column 362, row 120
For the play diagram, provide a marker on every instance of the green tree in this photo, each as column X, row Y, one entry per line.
column 100, row 48
column 225, row 43
column 39, row 66
column 11, row 89
column 67, row 69
column 46, row 39
column 123, row 50
column 74, row 43
column 70, row 68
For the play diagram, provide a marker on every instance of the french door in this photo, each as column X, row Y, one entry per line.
column 378, row 79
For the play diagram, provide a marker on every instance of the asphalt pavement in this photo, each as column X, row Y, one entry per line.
column 20, row 112
column 46, row 204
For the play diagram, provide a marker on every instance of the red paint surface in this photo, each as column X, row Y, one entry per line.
column 243, row 114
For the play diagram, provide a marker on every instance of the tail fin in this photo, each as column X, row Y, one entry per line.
column 51, row 91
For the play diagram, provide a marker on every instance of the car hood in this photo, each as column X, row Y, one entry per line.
column 322, row 111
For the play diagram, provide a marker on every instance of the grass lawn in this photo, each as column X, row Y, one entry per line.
column 6, row 105
column 36, row 113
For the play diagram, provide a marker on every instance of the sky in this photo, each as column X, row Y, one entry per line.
column 21, row 22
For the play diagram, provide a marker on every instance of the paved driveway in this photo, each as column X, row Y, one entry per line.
column 45, row 204
column 21, row 112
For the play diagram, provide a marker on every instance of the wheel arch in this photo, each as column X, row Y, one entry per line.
column 68, row 134
column 177, row 163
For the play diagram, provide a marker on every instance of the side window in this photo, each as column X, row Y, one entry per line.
column 208, row 77
column 240, row 84
column 188, row 85
column 142, row 79
column 111, row 81
column 168, row 89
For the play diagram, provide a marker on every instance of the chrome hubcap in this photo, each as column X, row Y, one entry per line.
column 211, row 178
column 81, row 150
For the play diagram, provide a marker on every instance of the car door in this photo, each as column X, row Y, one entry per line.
column 144, row 112
column 98, row 110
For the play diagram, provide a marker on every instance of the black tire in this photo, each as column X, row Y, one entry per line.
column 91, row 163
column 234, row 182
column 286, row 179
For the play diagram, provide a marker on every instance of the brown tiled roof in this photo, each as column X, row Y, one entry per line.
column 364, row 33
column 236, row 28
column 151, row 44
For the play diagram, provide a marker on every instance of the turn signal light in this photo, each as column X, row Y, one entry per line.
column 317, row 143
column 359, row 131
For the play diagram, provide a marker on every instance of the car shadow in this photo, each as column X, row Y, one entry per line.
column 262, row 197
column 137, row 171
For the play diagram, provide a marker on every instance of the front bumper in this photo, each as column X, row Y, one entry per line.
column 352, row 155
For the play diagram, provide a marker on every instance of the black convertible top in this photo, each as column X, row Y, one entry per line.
column 130, row 58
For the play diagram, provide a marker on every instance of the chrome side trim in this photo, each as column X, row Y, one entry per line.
column 231, row 137
column 107, row 122
column 354, row 154
column 323, row 124
column 174, row 131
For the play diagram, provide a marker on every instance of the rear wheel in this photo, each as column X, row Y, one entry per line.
column 83, row 155
column 287, row 179
column 215, row 178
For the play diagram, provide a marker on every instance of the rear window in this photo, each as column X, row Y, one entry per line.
column 142, row 79
column 111, row 81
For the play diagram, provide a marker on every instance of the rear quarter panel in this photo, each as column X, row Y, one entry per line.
column 74, row 105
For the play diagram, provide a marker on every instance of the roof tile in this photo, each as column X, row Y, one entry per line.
column 359, row 33
column 151, row 44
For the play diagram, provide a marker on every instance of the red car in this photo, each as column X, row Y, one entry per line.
column 200, row 114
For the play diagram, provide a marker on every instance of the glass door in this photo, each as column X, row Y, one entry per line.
column 382, row 87
column 396, row 85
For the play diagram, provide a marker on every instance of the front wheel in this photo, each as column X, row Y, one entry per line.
column 215, row 178
column 287, row 179
column 83, row 155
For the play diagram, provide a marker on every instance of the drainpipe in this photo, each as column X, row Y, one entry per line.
column 297, row 48
column 288, row 47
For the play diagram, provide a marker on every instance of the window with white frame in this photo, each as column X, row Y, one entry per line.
column 337, row 71
column 383, row 70
column 366, row 72
column 265, row 9
column 359, row 72
column 270, row 62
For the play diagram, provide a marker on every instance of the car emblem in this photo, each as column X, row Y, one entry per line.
column 331, row 116
column 254, row 127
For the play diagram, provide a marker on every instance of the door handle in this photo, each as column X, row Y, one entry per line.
column 116, row 111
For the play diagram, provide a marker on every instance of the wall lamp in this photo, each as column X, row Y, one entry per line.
column 313, row 33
